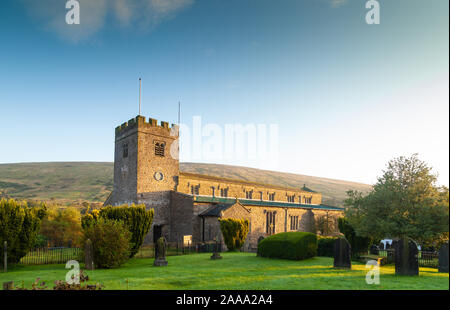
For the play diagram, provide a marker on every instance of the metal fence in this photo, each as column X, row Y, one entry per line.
column 178, row 248
column 58, row 255
column 426, row 259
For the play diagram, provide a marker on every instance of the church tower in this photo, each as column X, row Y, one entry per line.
column 145, row 159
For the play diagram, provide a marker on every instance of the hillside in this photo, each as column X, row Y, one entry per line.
column 93, row 181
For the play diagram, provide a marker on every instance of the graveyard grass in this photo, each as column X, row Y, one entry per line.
column 235, row 271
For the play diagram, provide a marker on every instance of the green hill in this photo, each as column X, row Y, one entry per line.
column 93, row 181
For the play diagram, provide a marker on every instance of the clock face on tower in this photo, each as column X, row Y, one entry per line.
column 159, row 176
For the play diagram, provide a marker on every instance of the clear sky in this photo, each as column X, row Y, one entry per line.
column 347, row 96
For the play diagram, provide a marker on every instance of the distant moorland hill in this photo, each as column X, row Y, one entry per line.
column 93, row 181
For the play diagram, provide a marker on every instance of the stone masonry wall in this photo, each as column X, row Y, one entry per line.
column 238, row 189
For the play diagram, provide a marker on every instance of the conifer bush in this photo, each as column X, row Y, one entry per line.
column 136, row 219
column 110, row 242
column 289, row 245
column 19, row 227
column 234, row 232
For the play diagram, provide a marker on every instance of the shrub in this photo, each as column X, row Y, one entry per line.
column 325, row 246
column 358, row 244
column 289, row 245
column 136, row 219
column 110, row 242
column 234, row 232
column 19, row 226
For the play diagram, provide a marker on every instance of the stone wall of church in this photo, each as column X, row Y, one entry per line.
column 212, row 186
column 258, row 220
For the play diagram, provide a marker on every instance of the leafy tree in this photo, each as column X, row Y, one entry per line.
column 358, row 244
column 62, row 226
column 234, row 232
column 19, row 226
column 405, row 203
column 136, row 219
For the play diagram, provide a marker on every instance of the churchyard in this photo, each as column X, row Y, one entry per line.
column 236, row 271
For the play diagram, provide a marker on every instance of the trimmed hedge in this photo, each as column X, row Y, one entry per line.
column 289, row 245
column 325, row 246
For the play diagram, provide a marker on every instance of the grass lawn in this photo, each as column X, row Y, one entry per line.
column 235, row 271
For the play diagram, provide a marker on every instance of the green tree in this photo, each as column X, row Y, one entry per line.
column 136, row 219
column 405, row 203
column 62, row 226
column 234, row 232
column 19, row 226
column 359, row 244
column 110, row 242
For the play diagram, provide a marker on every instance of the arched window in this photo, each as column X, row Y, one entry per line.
column 159, row 148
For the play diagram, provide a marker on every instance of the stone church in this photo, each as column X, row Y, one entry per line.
column 146, row 171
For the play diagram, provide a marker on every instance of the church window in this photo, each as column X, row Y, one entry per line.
column 308, row 200
column 270, row 222
column 224, row 192
column 125, row 150
column 195, row 189
column 248, row 194
column 272, row 196
column 261, row 195
column 213, row 191
column 294, row 222
column 159, row 148
column 291, row 198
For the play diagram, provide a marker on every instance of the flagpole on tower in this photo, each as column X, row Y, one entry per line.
column 139, row 96
column 179, row 112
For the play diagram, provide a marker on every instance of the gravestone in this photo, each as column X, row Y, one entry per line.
column 342, row 254
column 443, row 258
column 216, row 251
column 8, row 285
column 88, row 255
column 375, row 250
column 406, row 257
column 160, row 253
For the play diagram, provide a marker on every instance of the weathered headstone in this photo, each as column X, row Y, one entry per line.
column 160, row 253
column 443, row 258
column 406, row 257
column 375, row 250
column 342, row 254
column 8, row 285
column 88, row 255
column 216, row 251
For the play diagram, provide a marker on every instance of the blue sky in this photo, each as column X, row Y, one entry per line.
column 347, row 96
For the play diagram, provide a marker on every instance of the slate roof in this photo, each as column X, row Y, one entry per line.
column 216, row 209
column 228, row 202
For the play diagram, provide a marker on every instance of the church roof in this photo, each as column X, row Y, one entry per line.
column 225, row 203
column 243, row 182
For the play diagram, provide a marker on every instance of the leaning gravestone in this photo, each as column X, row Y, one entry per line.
column 443, row 258
column 160, row 255
column 342, row 254
column 8, row 285
column 406, row 257
column 88, row 255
